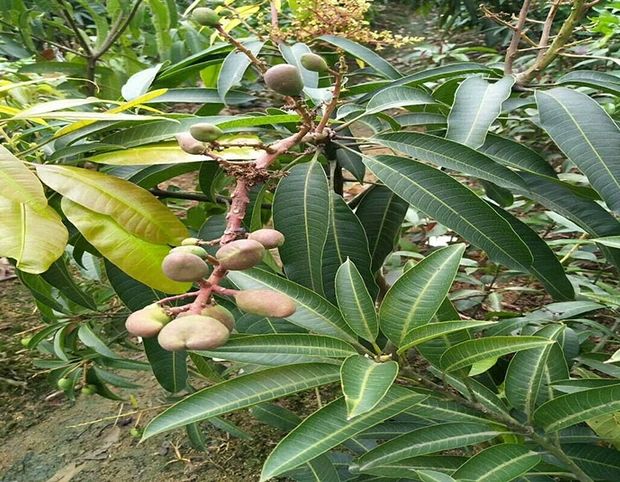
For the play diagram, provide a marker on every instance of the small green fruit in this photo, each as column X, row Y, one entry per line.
column 193, row 332
column 195, row 250
column 314, row 62
column 265, row 303
column 135, row 432
column 25, row 341
column 205, row 132
column 240, row 254
column 190, row 242
column 284, row 79
column 190, row 145
column 206, row 16
column 89, row 389
column 64, row 384
column 180, row 266
column 269, row 238
column 148, row 321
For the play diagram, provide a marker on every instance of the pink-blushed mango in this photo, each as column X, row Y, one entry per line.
column 193, row 332
column 148, row 321
column 269, row 238
column 240, row 254
column 182, row 266
column 265, row 303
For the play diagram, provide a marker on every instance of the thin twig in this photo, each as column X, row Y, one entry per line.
column 511, row 53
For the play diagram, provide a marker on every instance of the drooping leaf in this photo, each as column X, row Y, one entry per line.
column 138, row 258
column 134, row 209
column 18, row 183
column 532, row 372
column 451, row 155
column 346, row 239
column 169, row 368
column 604, row 81
column 516, row 155
column 365, row 383
column 381, row 213
column 476, row 105
column 58, row 276
column 472, row 351
column 301, row 212
column 427, row 440
column 35, row 238
column 313, row 313
column 423, row 333
column 234, row 66
column 355, row 303
column 572, row 408
column 416, row 296
column 397, row 97
column 280, row 349
column 587, row 135
column 242, row 392
column 600, row 463
column 500, row 462
column 380, row 65
column 329, row 427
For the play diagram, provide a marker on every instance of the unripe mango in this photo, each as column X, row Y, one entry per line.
column 240, row 254
column 64, row 384
column 148, row 321
column 269, row 238
column 190, row 242
column 196, row 250
column 89, row 389
column 314, row 62
column 180, row 266
column 205, row 132
column 221, row 314
column 193, row 332
column 265, row 303
column 284, row 79
column 189, row 144
column 206, row 16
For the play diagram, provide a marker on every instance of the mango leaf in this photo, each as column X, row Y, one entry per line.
column 34, row 238
column 600, row 463
column 169, row 368
column 588, row 137
column 329, row 427
column 319, row 469
column 516, row 155
column 471, row 351
column 499, row 462
column 532, row 372
column 365, row 382
column 280, row 349
column 91, row 340
column 138, row 258
column 380, row 65
column 433, row 476
column 381, row 213
column 355, row 303
column 427, row 440
column 416, row 296
column 476, row 105
column 292, row 55
column 430, row 331
column 18, row 183
column 58, row 276
column 242, row 392
column 134, row 209
column 407, row 469
column 453, row 205
column 451, row 155
column 346, row 239
column 138, row 84
column 234, row 66
column 603, row 81
column 314, row 313
column 301, row 212
column 573, row 408
column 168, row 154
column 397, row 97
column 200, row 95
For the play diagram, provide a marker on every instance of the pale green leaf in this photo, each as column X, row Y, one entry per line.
column 242, row 392
column 234, row 66
column 365, row 382
column 430, row 331
column 18, row 183
column 133, row 208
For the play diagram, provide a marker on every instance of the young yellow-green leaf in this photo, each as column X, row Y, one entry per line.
column 35, row 238
column 133, row 208
column 18, row 183
column 503, row 462
column 427, row 440
column 430, row 331
column 329, row 427
column 365, row 382
column 281, row 349
column 242, row 392
column 355, row 302
column 586, row 134
column 477, row 103
column 416, row 296
column 572, row 408
column 138, row 258
column 166, row 153
column 471, row 351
